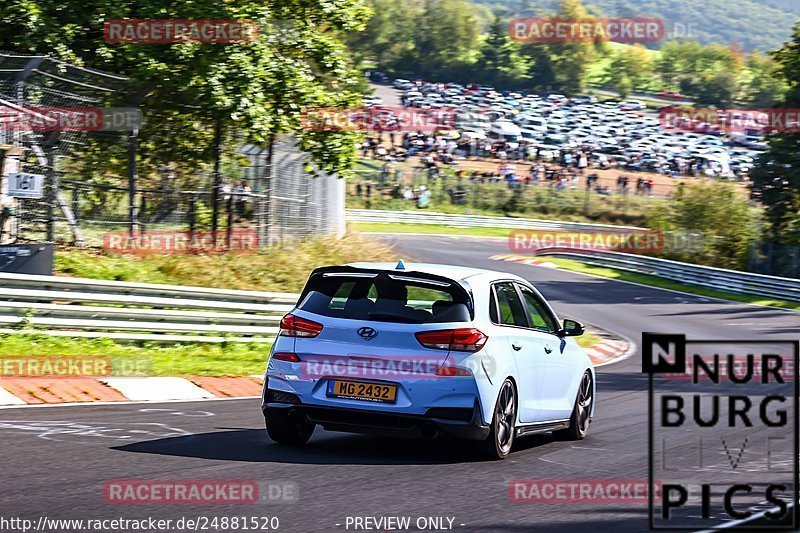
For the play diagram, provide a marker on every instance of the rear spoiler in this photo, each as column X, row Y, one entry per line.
column 403, row 274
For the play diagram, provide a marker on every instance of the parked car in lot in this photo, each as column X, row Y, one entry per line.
column 504, row 130
column 632, row 105
column 670, row 94
column 417, row 350
column 627, row 127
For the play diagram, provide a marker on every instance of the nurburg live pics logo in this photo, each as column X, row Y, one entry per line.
column 723, row 443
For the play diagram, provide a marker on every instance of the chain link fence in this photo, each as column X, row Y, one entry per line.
column 285, row 204
column 554, row 192
column 82, row 205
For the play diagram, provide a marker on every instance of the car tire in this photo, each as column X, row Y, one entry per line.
column 501, row 438
column 288, row 430
column 581, row 412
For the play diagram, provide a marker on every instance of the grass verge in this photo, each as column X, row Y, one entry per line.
column 280, row 268
column 427, row 229
column 153, row 359
column 622, row 275
column 588, row 339
column 145, row 359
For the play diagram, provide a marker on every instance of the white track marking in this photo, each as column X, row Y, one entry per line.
column 140, row 402
column 6, row 398
column 157, row 389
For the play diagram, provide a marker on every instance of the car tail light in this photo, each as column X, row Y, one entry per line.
column 294, row 326
column 458, row 340
column 286, row 356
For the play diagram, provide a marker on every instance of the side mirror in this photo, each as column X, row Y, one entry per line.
column 572, row 328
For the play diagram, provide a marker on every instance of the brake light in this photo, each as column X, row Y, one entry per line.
column 458, row 340
column 286, row 356
column 294, row 326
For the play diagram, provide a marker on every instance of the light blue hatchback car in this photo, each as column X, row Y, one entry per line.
column 417, row 350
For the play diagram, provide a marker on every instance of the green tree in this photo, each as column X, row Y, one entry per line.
column 776, row 175
column 718, row 217
column 196, row 95
column 765, row 86
column 388, row 40
column 720, row 89
column 629, row 68
column 710, row 73
column 446, row 39
column 500, row 61
column 571, row 60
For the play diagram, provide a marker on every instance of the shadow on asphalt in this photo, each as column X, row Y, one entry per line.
column 253, row 445
column 621, row 382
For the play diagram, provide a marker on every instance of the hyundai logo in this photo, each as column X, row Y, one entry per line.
column 367, row 333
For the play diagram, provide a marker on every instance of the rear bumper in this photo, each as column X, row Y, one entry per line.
column 459, row 423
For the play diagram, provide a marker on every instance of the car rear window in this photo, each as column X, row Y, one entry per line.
column 385, row 298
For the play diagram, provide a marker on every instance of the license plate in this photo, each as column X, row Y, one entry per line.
column 359, row 390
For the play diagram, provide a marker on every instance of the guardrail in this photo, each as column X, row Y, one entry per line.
column 77, row 307
column 715, row 278
column 470, row 221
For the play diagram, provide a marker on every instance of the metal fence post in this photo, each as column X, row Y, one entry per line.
column 217, row 181
column 132, row 186
column 142, row 213
column 51, row 195
column 269, row 179
column 76, row 206
column 191, row 222
column 229, row 206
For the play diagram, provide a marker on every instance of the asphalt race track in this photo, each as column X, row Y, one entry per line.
column 56, row 460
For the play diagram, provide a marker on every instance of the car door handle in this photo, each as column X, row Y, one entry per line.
column 517, row 347
column 548, row 349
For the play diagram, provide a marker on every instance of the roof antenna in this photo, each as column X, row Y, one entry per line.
column 400, row 265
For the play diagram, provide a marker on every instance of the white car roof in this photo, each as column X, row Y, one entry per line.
column 457, row 273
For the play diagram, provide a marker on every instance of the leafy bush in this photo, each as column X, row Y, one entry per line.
column 720, row 218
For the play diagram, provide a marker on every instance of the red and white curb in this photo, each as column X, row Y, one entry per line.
column 22, row 391
column 525, row 260
column 59, row 390
column 608, row 351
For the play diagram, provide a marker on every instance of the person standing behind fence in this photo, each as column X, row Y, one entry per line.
column 241, row 195
column 225, row 188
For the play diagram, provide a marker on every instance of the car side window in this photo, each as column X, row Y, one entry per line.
column 538, row 313
column 509, row 311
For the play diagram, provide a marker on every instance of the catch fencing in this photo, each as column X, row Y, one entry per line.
column 288, row 204
column 91, row 178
